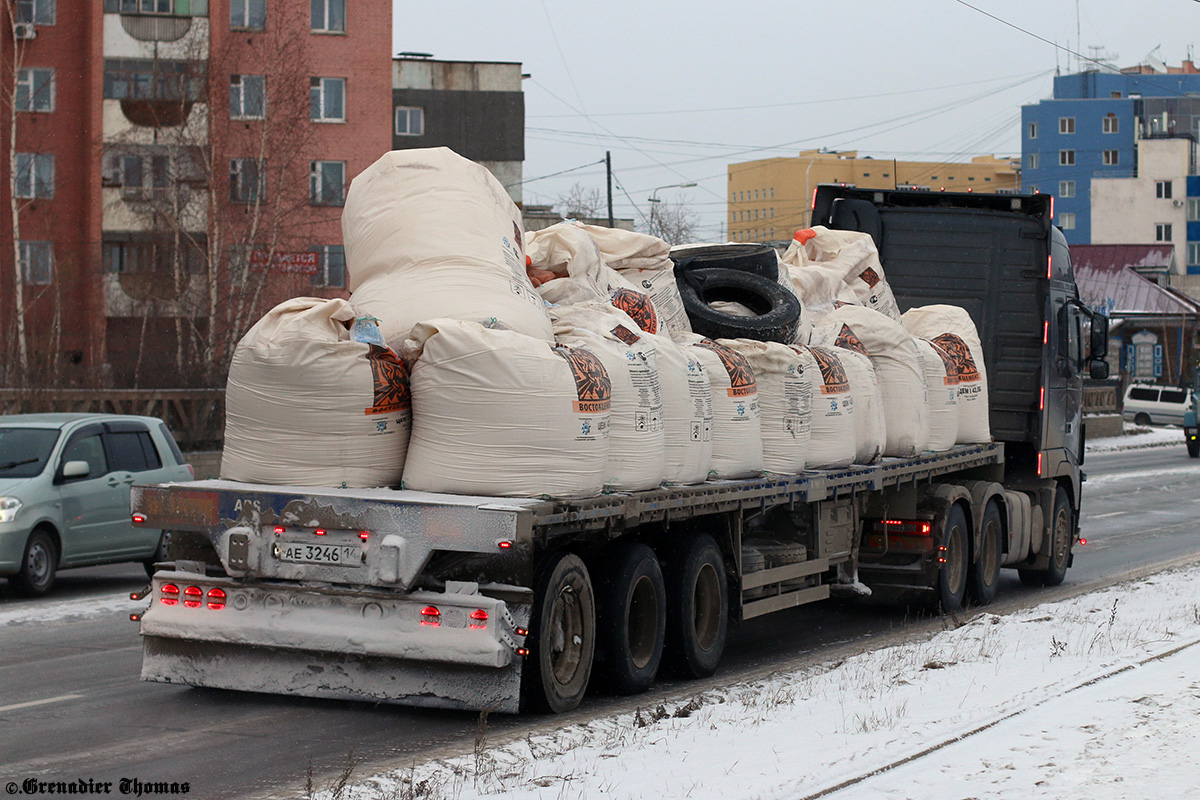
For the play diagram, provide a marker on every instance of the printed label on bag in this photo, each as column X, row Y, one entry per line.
column 592, row 384
column 741, row 375
column 390, row 376
column 960, row 361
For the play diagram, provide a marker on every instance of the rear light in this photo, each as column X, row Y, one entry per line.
column 279, row 530
column 1046, row 332
column 522, row 631
column 941, row 554
column 216, row 599
column 1039, row 464
column 364, row 535
column 1082, row 540
column 479, row 618
column 170, row 594
column 504, row 544
column 192, row 597
column 431, row 616
column 1042, row 399
column 139, row 519
column 911, row 527
column 522, row 651
column 320, row 531
column 1049, row 266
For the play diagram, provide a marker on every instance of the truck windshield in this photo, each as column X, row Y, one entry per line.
column 24, row 452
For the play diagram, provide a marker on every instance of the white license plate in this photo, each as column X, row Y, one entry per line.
column 344, row 555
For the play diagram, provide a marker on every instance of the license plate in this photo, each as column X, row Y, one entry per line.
column 344, row 555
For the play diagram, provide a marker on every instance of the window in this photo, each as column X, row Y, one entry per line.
column 1033, row 188
column 1111, row 124
column 772, row 192
column 1066, row 221
column 132, row 175
column 331, row 266
column 1066, row 124
column 1033, row 130
column 1193, row 209
column 410, row 121
column 327, row 183
column 1111, row 158
column 35, row 175
column 247, row 97
column 145, row 79
column 1162, row 232
column 247, row 181
column 87, row 448
column 1162, row 190
column 37, row 263
column 39, row 12
column 248, row 14
column 132, row 451
column 327, row 99
column 1066, row 158
column 329, row 15
column 1066, row 188
column 35, row 89
column 1033, row 160
column 1193, row 254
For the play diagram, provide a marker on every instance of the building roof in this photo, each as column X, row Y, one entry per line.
column 1109, row 278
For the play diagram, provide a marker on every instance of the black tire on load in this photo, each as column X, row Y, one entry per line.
column 697, row 607
column 776, row 310
column 562, row 636
column 759, row 259
column 631, row 616
column 984, row 576
column 951, row 584
column 1062, row 535
column 39, row 565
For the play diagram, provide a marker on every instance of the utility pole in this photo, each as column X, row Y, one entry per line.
column 608, row 168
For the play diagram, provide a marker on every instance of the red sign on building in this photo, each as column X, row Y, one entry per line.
column 302, row 263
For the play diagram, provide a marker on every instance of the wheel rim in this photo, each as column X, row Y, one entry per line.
column 38, row 563
column 955, row 565
column 566, row 640
column 1062, row 538
column 642, row 627
column 706, row 618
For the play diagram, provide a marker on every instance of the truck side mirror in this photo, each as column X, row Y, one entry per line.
column 1097, row 369
column 1098, row 346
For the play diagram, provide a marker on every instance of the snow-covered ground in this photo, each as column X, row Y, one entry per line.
column 1137, row 437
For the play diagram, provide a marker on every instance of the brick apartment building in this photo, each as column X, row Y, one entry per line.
column 180, row 168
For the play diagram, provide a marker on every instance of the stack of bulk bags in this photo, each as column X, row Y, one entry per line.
column 314, row 398
column 952, row 330
column 645, row 262
column 429, row 234
column 785, row 390
column 737, row 425
column 636, row 454
column 687, row 413
column 901, row 378
column 832, row 431
column 870, row 422
column 942, row 389
column 498, row 413
column 831, row 266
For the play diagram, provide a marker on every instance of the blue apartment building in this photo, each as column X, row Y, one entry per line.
column 1090, row 129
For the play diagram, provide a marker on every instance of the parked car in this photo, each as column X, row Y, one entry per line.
column 64, row 492
column 1155, row 405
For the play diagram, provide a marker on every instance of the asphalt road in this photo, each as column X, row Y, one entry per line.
column 72, row 706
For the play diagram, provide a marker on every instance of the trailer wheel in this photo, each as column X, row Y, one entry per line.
column 697, row 607
column 631, row 616
column 562, row 638
column 39, row 565
column 985, row 571
column 952, row 577
column 1061, row 535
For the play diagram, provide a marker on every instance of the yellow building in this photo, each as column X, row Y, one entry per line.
column 769, row 199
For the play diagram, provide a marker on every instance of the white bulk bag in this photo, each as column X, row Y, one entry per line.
column 636, row 454
column 645, row 262
column 952, row 329
column 309, row 403
column 870, row 422
column 785, row 395
column 498, row 413
column 737, row 426
column 832, row 434
column 429, row 234
column 901, row 378
column 829, row 266
column 687, row 413
column 942, row 390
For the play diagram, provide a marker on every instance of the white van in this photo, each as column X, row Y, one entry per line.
column 1156, row 405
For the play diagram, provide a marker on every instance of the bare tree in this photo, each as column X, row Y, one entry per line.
column 13, row 54
column 674, row 223
column 581, row 203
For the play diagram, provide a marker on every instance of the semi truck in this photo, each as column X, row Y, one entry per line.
column 503, row 604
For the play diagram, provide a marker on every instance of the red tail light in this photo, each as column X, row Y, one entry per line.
column 139, row 519
column 479, row 618
column 216, row 599
column 431, row 616
column 364, row 535
column 504, row 545
column 909, row 527
column 170, row 594
column 319, row 531
column 279, row 530
column 192, row 597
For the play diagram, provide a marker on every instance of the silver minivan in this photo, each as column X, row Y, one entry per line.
column 64, row 492
column 1147, row 404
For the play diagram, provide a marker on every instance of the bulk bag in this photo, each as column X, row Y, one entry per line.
column 832, row 432
column 828, row 266
column 870, row 422
column 636, row 447
column 941, row 387
column 309, row 402
column 429, row 234
column 737, row 427
column 952, row 329
column 687, row 413
column 498, row 413
column 785, row 396
column 645, row 262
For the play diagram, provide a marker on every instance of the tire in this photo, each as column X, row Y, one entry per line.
column 951, row 584
column 697, row 607
column 1062, row 535
column 759, row 259
column 562, row 638
column 984, row 576
column 776, row 310
column 631, row 616
column 160, row 553
column 39, row 565
column 1193, row 448
column 1141, row 419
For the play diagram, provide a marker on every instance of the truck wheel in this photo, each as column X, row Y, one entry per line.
column 1193, row 446
column 1061, row 535
column 985, row 572
column 631, row 618
column 697, row 607
column 562, row 637
column 39, row 566
column 952, row 577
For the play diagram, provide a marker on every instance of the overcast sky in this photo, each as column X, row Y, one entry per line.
column 677, row 91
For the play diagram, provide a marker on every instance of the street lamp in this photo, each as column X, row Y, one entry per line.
column 655, row 201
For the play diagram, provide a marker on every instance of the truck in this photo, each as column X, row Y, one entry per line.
column 439, row 600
